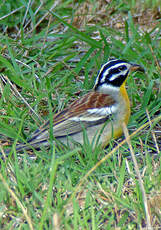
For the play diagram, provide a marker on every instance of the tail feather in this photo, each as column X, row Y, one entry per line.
column 34, row 144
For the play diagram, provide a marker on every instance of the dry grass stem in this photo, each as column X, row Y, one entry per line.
column 156, row 61
column 10, row 13
column 106, row 157
column 45, row 15
column 56, row 221
column 24, row 210
column 127, row 136
column 46, row 33
column 24, row 18
column 16, row 91
column 153, row 134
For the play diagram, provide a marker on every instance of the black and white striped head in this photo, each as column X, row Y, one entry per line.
column 114, row 73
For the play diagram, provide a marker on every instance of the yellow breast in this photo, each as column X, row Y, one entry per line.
column 114, row 130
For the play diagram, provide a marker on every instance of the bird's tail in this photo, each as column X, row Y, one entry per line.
column 30, row 145
column 39, row 138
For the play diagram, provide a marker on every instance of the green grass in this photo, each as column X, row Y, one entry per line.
column 62, row 188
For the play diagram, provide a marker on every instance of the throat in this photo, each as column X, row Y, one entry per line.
column 125, row 97
column 124, row 93
column 107, row 89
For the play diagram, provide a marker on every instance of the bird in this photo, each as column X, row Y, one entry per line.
column 100, row 113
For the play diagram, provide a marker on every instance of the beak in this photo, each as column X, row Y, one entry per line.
column 135, row 67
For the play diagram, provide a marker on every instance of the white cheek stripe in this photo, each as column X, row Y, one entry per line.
column 106, row 72
column 115, row 76
column 105, row 75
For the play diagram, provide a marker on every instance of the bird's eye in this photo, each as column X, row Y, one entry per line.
column 122, row 68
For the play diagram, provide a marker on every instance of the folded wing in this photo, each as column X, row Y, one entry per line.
column 92, row 109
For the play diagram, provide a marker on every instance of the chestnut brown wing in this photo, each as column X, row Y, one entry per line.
column 76, row 116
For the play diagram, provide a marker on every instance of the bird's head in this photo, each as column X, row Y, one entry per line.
column 114, row 73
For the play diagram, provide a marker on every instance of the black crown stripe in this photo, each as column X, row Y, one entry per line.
column 113, row 63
